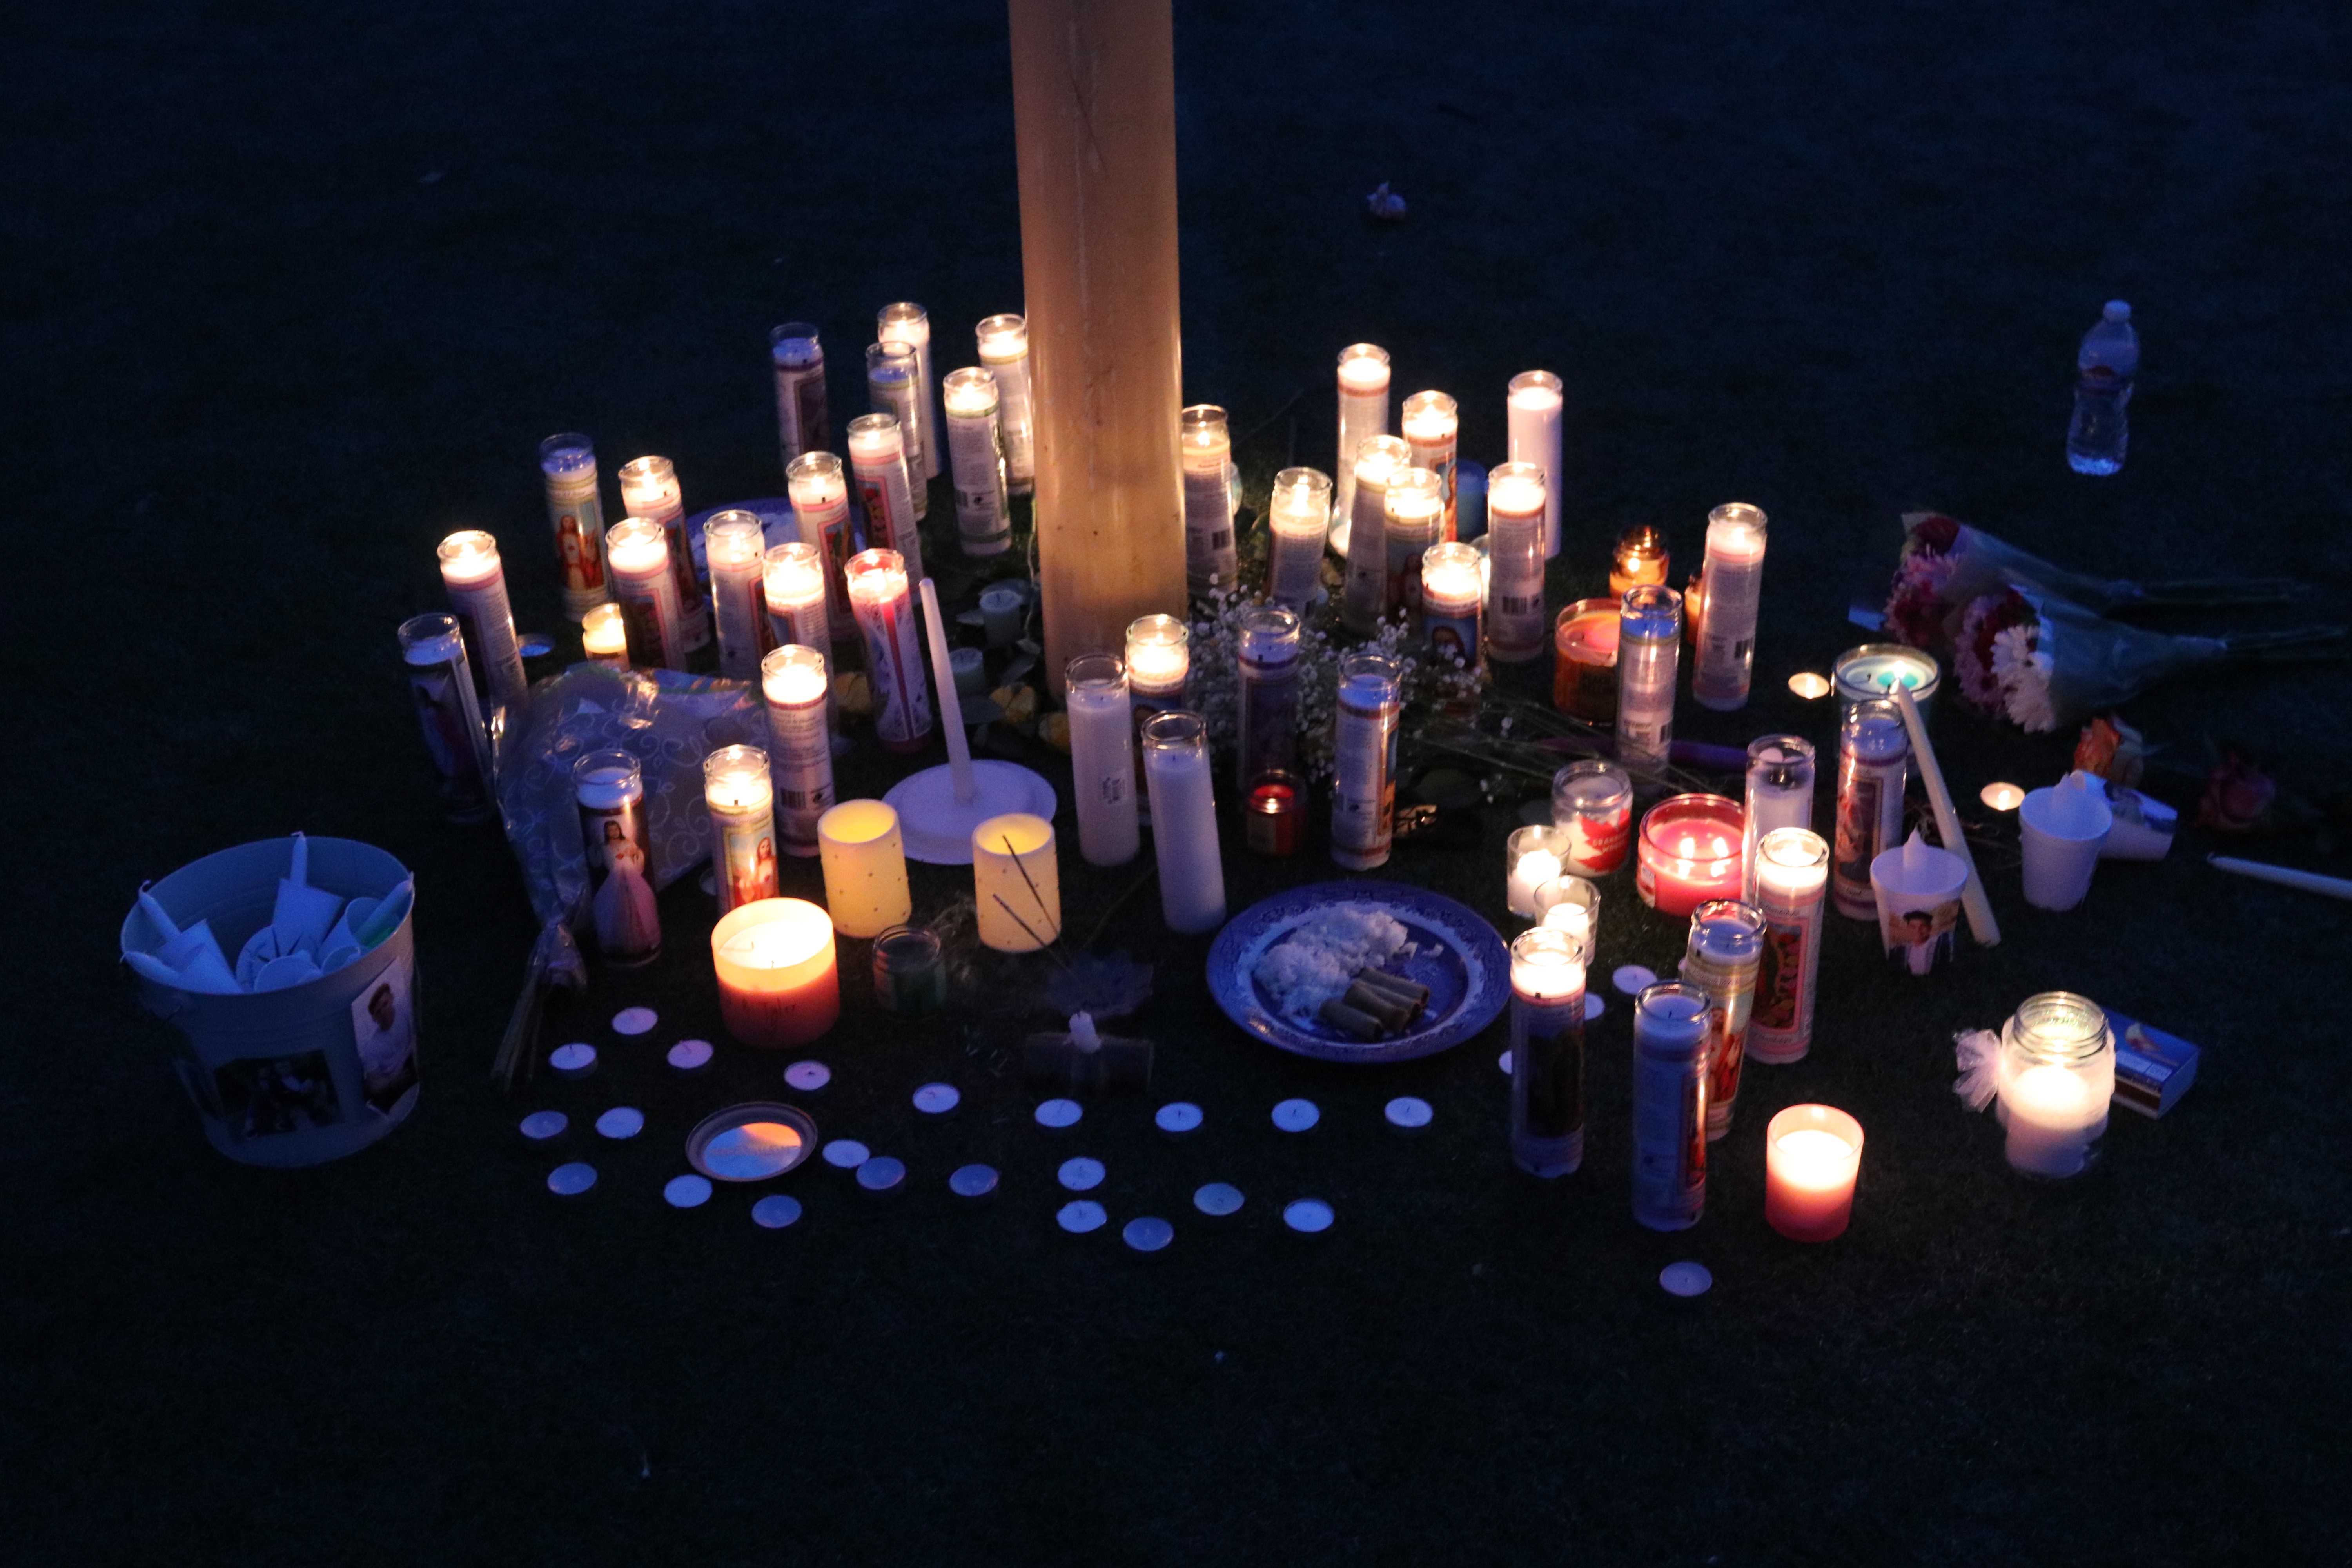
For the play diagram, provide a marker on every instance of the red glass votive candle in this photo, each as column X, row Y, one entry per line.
column 1276, row 817
column 1812, row 1153
column 1689, row 852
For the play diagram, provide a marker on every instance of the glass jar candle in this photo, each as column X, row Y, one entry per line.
column 779, row 976
column 819, row 488
column 794, row 682
column 1412, row 520
column 796, row 353
column 1688, row 853
column 1365, row 601
column 911, row 977
column 2055, row 1077
column 1811, row 1155
column 908, row 323
column 1184, row 821
column 878, row 597
column 1534, row 405
column 1875, row 669
column 616, row 839
column 1639, row 558
column 1431, row 422
column 1532, row 860
column 864, row 862
column 734, row 543
column 1571, row 904
column 1722, row 958
column 1267, row 737
column 1874, row 758
column 1547, row 1054
column 792, row 587
column 1584, row 661
column 1004, row 350
column 575, row 512
column 637, row 551
column 1593, row 804
column 649, row 487
column 1363, row 378
column 894, row 386
column 877, row 460
column 1016, row 882
column 604, row 636
column 476, row 580
column 1453, row 588
column 1727, row 627
column 1364, row 757
column 1792, row 874
column 1102, row 758
column 976, row 454
column 433, row 650
column 1299, row 516
column 1205, row 445
column 740, row 798
column 1649, row 656
column 1670, row 1030
column 1780, row 795
column 1516, row 497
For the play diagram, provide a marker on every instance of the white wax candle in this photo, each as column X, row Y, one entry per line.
column 976, row 446
column 637, row 551
column 649, row 488
column 800, row 744
column 1432, row 434
column 1364, row 748
column 1547, row 1054
column 1515, row 498
column 1184, row 822
column 1205, row 444
column 910, row 324
column 1792, row 873
column 1780, row 795
column 476, row 583
column 1102, row 759
column 1735, row 579
column 605, row 635
column 1159, row 657
column 575, row 513
column 1413, row 518
column 894, row 386
column 880, row 599
column 1366, row 602
column 1534, row 405
column 1529, row 872
column 2052, row 1115
column 877, row 457
column 1363, row 412
column 1004, row 350
column 1300, row 514
column 1452, row 594
column 820, row 496
column 792, row 585
column 733, row 543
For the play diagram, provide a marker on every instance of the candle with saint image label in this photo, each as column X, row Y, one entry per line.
column 792, row 680
column 1412, row 520
column 604, row 636
column 894, row 386
column 880, row 599
column 1299, row 516
column 637, row 551
column 1184, row 821
column 1364, row 753
column 649, row 488
column 1649, row 651
column 983, row 513
column 733, row 542
column 877, row 457
column 1207, row 444
column 741, row 801
column 1363, row 412
column 1724, row 952
column 908, row 323
column 1792, row 874
column 820, row 497
column 1734, row 574
column 1516, row 497
column 1452, row 583
column 792, row 586
column 476, row 583
column 1366, row 596
column 1670, row 1031
column 1536, row 404
column 1688, row 852
column 616, row 839
column 575, row 513
column 1780, row 795
column 433, row 650
column 1433, row 433
column 1547, row 1053
column 1004, row 350
column 803, row 424
column 1874, row 760
column 1102, row 759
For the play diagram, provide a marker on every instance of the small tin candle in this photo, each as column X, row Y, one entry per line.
column 1275, row 821
column 909, row 976
column 1584, row 661
column 1688, row 853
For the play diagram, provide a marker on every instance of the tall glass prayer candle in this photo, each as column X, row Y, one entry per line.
column 1792, row 874
column 1670, row 1034
column 779, row 973
column 637, row 553
column 803, row 424
column 734, row 543
column 741, row 801
column 1413, row 518
column 617, row 837
column 1299, row 513
column 877, row 457
column 1363, row 412
column 1735, row 582
column 820, row 497
column 649, row 488
column 1874, row 760
column 1648, row 653
column 1688, row 852
column 1433, row 435
column 476, row 583
column 864, row 862
column 976, row 448
column 1452, row 583
column 1365, row 601
column 1004, row 350
column 1267, row 738
column 1364, row 758
column 604, row 636
column 1780, row 795
column 1547, row 1053
column 1102, row 758
column 792, row 679
column 1724, row 952
column 1593, row 804
column 1207, row 444
column 1584, row 660
column 2055, row 1075
column 1533, row 858
column 793, row 584
column 1016, row 882
column 575, row 513
column 894, row 386
column 1184, row 821
column 1517, row 495
column 433, row 650
column 1640, row 557
column 1536, row 405
column 884, row 605
column 908, row 323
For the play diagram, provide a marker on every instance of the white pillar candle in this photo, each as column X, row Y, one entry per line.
column 884, row 605
column 1535, row 406
column 637, row 551
column 1299, row 515
column 1363, row 412
column 1413, row 518
column 908, row 323
column 1102, row 758
column 604, row 636
column 1205, row 442
column 864, row 861
column 1453, row 584
column 1780, row 795
column 741, row 801
column 820, row 496
column 1547, row 1054
column 1649, row 652
column 1184, row 821
column 894, row 386
column 1516, row 494
column 1727, row 631
column 1432, row 435
column 1016, row 882
column 877, row 457
column 976, row 448
column 476, row 583
column 1792, row 874
column 1004, row 350
column 803, row 424
column 1533, row 858
column 1364, row 757
column 734, row 543
column 575, row 513
column 649, row 487
column 794, row 681
column 1366, row 602
column 793, row 584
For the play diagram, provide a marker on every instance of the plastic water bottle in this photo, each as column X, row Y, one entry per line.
column 2096, row 437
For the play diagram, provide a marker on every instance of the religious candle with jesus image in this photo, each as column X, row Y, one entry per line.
column 741, row 797
column 1726, row 948
column 618, row 846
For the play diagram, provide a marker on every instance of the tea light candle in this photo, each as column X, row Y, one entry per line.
column 779, row 983
column 637, row 551
column 1536, row 405
column 1649, row 652
column 576, row 514
column 1808, row 687
column 792, row 587
column 877, row 459
column 736, row 789
column 1452, row 585
column 1016, row 882
column 1573, row 905
column 1517, row 497
column 1547, row 1054
column 802, row 425
column 1688, row 853
column 1727, row 629
column 1299, row 513
column 604, row 636
column 1531, row 861
column 1792, row 874
column 2002, row 797
column 1812, row 1154
column 793, row 682
column 1363, row 412
column 880, row 598
column 865, row 863
column 894, row 386
column 1593, row 805
column 820, row 497
column 2055, row 1075
column 649, row 487
column 1184, row 821
column 908, row 323
column 1205, row 444
column 1780, row 795
column 1102, row 759
column 1433, row 430
column 476, row 583
column 1004, row 351
column 1874, row 669
column 733, row 542
column 1365, row 601
column 1584, row 660
column 1412, row 520
column 976, row 448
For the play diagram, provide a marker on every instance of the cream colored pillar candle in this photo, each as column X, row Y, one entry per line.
column 865, row 863
column 1016, row 881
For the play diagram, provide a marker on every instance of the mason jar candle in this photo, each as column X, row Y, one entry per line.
column 2056, row 1073
column 1365, row 603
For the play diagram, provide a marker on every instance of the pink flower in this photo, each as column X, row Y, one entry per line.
column 1934, row 533
column 2238, row 796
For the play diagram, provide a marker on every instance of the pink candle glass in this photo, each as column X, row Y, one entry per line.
column 1688, row 853
column 1811, row 1155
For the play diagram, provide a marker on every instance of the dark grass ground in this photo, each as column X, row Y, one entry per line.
column 292, row 291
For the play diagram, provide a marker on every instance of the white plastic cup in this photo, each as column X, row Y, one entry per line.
column 2063, row 828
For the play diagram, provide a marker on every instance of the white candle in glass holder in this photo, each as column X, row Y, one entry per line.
column 604, row 636
column 1364, row 758
column 734, row 542
column 1433, row 435
column 1727, row 632
column 741, row 799
column 976, row 451
column 803, row 424
column 819, row 488
column 476, row 583
column 575, row 512
column 792, row 679
column 1365, row 603
column 1535, row 405
column 1363, row 412
column 908, row 323
column 1517, row 495
column 1533, row 859
column 1158, row 660
column 649, row 487
column 1547, row 1054
column 1004, row 350
column 1184, row 821
column 792, row 583
column 877, row 457
column 1648, row 653
column 1205, row 444
column 884, row 607
column 894, row 386
column 637, row 551
column 1102, row 758
column 1299, row 515
column 1793, row 876
column 1452, row 586
column 1413, row 518
column 1780, row 795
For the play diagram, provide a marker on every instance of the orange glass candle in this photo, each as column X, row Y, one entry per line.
column 778, row 981
column 1811, row 1155
column 1584, row 661
column 1640, row 557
